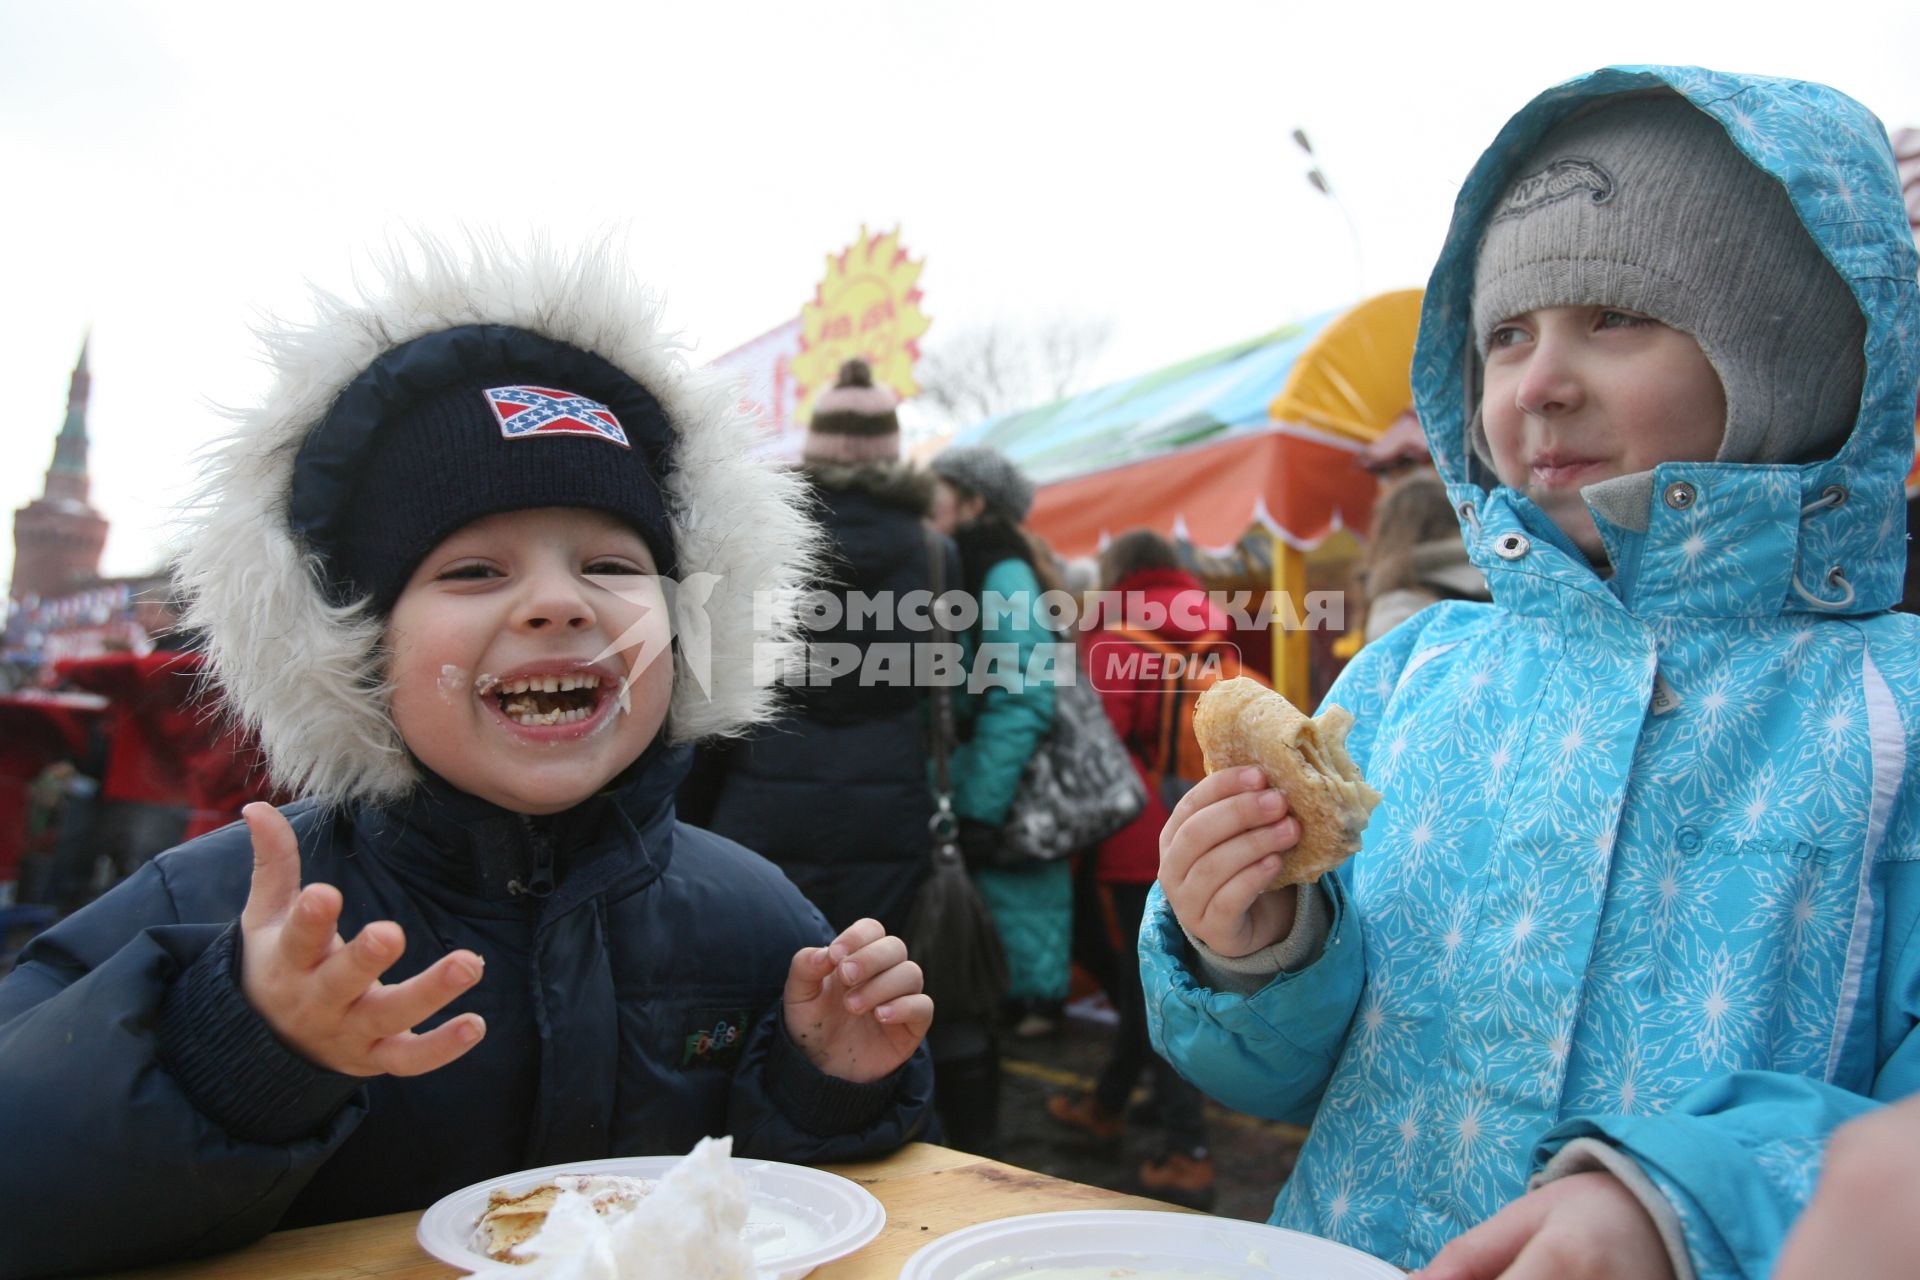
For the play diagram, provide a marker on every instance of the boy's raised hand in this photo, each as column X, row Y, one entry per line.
column 1584, row 1227
column 1222, row 846
column 855, row 1006
column 322, row 995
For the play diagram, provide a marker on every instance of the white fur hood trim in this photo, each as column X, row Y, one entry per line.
column 307, row 677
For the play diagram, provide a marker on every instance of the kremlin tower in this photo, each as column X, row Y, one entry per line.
column 57, row 538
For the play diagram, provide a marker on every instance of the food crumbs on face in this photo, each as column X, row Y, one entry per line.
column 452, row 684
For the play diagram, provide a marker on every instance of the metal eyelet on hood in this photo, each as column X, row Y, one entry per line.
column 1835, row 577
column 1832, row 496
column 1511, row 546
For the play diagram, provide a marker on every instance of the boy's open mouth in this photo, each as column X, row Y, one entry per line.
column 545, row 700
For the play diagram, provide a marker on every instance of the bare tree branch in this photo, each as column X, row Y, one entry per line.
column 1068, row 349
column 1004, row 366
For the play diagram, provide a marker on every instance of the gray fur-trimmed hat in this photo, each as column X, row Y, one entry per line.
column 982, row 470
column 302, row 664
column 1645, row 203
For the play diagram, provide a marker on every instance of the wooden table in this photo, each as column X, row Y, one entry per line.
column 928, row 1191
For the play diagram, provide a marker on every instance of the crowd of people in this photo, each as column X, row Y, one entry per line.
column 1622, row 982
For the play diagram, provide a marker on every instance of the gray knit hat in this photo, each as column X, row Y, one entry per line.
column 1646, row 204
column 989, row 473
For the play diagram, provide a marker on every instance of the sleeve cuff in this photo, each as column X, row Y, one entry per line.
column 820, row 1103
column 230, row 1063
column 1588, row 1155
column 1244, row 975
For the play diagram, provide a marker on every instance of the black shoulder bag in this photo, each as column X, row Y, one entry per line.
column 950, row 933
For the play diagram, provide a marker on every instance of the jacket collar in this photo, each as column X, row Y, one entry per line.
column 623, row 834
column 890, row 483
column 1726, row 540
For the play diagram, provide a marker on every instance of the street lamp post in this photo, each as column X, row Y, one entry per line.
column 1317, row 178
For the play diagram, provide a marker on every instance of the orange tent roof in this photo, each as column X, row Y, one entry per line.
column 1268, row 432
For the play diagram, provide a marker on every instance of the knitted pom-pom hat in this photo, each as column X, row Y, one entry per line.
column 853, row 420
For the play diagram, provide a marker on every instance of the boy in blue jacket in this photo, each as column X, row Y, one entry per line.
column 434, row 573
column 1631, row 932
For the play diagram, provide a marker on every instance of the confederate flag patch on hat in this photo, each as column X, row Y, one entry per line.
column 541, row 411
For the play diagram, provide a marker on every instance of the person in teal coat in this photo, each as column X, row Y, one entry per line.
column 1632, row 931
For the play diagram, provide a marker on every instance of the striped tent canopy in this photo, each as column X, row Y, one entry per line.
column 1266, row 432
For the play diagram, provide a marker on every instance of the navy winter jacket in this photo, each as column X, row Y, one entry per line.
column 634, row 969
column 853, row 754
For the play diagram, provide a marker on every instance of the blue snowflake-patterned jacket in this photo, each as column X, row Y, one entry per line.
column 1681, row 924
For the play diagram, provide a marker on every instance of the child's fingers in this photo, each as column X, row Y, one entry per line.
column 1218, row 825
column 309, row 933
column 1230, row 859
column 861, row 933
column 1485, row 1251
column 1212, row 789
column 871, row 960
column 902, row 979
column 276, row 866
column 408, row 1054
column 1229, row 903
column 344, row 976
column 914, row 1012
column 807, row 975
column 390, row 1010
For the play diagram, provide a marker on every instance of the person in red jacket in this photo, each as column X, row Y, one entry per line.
column 177, row 767
column 1153, row 619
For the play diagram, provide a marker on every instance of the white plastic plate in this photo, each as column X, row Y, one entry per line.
column 1099, row 1243
column 824, row 1216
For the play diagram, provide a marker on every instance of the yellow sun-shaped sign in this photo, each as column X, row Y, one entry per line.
column 866, row 306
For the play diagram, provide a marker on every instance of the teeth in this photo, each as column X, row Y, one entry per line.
column 523, row 713
column 542, row 684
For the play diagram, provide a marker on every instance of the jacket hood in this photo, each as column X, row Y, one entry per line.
column 307, row 675
column 1824, row 537
column 892, row 483
column 1172, row 600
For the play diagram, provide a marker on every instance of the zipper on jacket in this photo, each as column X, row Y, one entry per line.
column 539, row 883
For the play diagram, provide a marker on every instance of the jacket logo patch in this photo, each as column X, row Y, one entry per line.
column 1693, row 843
column 525, row 412
column 714, row 1038
column 1567, row 176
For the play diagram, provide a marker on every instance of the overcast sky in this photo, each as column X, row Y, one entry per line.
column 170, row 169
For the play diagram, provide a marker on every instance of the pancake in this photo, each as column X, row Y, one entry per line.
column 511, row 1219
column 1242, row 722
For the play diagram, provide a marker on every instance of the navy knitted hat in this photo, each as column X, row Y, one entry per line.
column 467, row 423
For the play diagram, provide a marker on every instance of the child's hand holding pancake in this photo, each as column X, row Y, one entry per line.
column 1219, row 854
column 1241, row 722
column 1282, row 805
